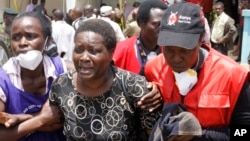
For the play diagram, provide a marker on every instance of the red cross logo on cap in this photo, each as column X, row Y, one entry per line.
column 173, row 18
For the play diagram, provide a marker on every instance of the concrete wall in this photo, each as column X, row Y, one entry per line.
column 96, row 3
column 21, row 4
column 4, row 3
column 58, row 4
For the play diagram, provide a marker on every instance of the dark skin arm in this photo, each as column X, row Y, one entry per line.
column 152, row 100
column 29, row 123
column 10, row 120
column 16, row 132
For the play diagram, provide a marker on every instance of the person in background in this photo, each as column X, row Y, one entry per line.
column 136, row 5
column 198, row 76
column 68, row 18
column 237, row 50
column 132, row 29
column 133, row 53
column 76, row 15
column 97, row 12
column 98, row 99
column 223, row 30
column 207, row 35
column 106, row 13
column 8, row 16
column 87, row 13
column 25, row 80
column 31, row 5
column 41, row 7
column 119, row 15
column 65, row 41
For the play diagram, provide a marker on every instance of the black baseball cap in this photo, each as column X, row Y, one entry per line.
column 182, row 25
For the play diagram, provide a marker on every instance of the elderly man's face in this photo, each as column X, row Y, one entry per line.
column 180, row 59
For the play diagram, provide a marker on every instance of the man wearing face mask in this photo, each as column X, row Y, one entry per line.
column 213, row 87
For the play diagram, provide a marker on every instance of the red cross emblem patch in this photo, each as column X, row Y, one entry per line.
column 173, row 18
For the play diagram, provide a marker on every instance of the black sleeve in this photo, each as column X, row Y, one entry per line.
column 241, row 113
column 240, row 116
column 214, row 134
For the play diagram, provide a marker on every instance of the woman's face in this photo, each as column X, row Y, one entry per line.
column 91, row 57
column 26, row 35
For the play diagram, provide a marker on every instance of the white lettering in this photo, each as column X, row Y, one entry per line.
column 31, row 107
column 240, row 132
column 184, row 18
column 183, row 21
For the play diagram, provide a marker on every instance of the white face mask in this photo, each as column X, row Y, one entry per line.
column 185, row 80
column 31, row 59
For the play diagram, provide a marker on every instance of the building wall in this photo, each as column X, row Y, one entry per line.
column 21, row 4
column 58, row 4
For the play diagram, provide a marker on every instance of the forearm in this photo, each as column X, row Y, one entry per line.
column 22, row 129
column 231, row 31
column 241, row 113
column 13, row 119
column 23, row 117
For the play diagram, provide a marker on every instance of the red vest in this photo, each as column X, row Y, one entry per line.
column 206, row 4
column 212, row 99
column 125, row 55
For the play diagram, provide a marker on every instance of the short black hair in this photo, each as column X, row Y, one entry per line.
column 220, row 3
column 100, row 27
column 44, row 21
column 145, row 7
column 58, row 14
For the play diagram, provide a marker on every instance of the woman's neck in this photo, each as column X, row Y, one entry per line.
column 39, row 71
column 95, row 87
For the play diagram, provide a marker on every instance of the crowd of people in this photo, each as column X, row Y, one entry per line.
column 78, row 76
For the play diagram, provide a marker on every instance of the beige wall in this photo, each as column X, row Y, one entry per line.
column 96, row 3
column 21, row 4
column 58, row 4
column 3, row 4
column 50, row 5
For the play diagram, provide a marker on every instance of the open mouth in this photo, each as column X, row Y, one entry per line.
column 85, row 70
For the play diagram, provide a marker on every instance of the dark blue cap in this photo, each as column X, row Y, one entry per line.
column 182, row 25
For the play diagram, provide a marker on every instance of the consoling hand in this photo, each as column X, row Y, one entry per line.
column 152, row 100
column 49, row 115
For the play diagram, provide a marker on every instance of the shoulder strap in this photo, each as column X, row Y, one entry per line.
column 58, row 65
